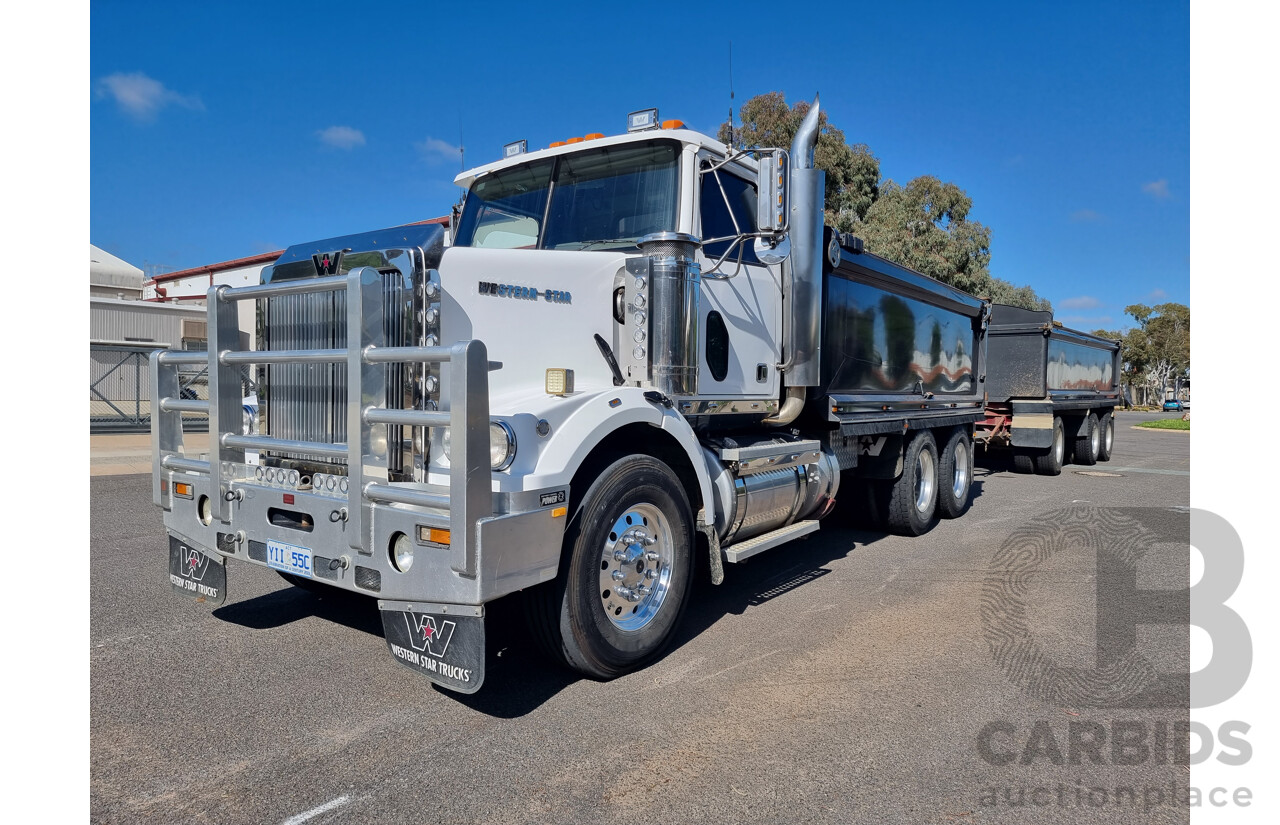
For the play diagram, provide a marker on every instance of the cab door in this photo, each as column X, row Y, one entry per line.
column 741, row 308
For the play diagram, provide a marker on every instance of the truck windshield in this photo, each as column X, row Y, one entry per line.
column 601, row 199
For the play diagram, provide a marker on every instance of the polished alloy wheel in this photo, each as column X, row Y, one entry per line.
column 926, row 478
column 960, row 480
column 635, row 567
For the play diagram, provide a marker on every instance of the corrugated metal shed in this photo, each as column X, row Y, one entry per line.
column 117, row 322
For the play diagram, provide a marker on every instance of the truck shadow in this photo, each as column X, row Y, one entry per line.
column 519, row 677
column 291, row 604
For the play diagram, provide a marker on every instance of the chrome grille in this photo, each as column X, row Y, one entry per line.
column 308, row 402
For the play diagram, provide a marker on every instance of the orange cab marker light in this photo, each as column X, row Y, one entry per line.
column 559, row 511
column 181, row 489
column 593, row 136
column 555, row 144
column 673, row 124
column 574, row 140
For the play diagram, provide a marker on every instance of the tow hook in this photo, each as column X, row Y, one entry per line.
column 338, row 515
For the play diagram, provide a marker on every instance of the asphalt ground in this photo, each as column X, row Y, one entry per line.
column 849, row 677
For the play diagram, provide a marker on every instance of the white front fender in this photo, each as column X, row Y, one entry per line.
column 595, row 418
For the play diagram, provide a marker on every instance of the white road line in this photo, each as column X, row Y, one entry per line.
column 328, row 806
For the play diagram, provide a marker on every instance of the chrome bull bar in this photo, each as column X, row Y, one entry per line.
column 458, row 506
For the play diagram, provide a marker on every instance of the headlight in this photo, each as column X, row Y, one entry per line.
column 401, row 552
column 502, row 445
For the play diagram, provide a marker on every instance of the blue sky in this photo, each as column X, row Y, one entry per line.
column 223, row 130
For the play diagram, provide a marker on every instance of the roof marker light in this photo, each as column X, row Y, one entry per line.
column 642, row 120
column 673, row 124
column 593, row 136
column 574, row 140
column 513, row 149
column 554, row 144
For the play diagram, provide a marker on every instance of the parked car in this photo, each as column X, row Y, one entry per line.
column 1174, row 405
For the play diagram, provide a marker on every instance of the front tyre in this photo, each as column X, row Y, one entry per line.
column 626, row 570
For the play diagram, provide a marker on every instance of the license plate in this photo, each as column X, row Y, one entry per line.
column 290, row 558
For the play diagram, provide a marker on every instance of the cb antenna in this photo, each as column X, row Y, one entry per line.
column 731, row 127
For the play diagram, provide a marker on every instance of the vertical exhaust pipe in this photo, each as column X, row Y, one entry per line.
column 802, row 314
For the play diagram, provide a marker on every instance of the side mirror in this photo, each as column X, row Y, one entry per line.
column 772, row 201
column 772, row 197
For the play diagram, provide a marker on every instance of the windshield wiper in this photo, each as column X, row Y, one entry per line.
column 603, row 242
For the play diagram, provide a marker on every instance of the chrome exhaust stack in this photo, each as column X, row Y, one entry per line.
column 802, row 318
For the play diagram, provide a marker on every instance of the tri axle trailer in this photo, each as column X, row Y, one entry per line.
column 1051, row 391
column 631, row 350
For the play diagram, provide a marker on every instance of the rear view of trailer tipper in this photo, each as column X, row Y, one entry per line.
column 1051, row 391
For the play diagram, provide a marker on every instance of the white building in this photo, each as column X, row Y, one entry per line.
column 110, row 277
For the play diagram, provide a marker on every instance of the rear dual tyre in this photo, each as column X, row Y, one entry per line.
column 1043, row 462
column 1107, row 424
column 955, row 474
column 1088, row 444
column 910, row 502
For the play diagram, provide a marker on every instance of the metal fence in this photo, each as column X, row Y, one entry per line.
column 120, row 389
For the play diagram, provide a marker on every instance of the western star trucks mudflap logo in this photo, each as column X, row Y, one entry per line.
column 194, row 574
column 447, row 649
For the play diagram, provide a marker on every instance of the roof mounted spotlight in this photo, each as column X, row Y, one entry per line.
column 642, row 120
column 513, row 149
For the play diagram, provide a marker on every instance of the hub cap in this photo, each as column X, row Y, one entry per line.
column 926, row 478
column 1110, row 434
column 1094, row 440
column 635, row 567
column 1059, row 443
column 960, row 481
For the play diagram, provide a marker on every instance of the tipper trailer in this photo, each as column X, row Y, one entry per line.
column 634, row 349
column 1051, row 391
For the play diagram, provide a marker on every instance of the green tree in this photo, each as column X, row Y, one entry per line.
column 1160, row 347
column 853, row 173
column 924, row 225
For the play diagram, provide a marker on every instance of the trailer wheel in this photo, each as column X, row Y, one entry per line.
column 625, row 571
column 1049, row 463
column 911, row 505
column 1088, row 442
column 955, row 475
column 1023, row 461
column 1107, row 424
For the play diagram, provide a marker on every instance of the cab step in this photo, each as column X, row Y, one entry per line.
column 744, row 550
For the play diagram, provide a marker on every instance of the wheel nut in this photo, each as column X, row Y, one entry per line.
column 618, row 575
column 651, row 556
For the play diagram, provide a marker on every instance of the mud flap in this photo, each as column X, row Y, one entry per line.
column 194, row 574
column 445, row 643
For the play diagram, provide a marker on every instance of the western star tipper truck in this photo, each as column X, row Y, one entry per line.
column 1051, row 391
column 633, row 350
